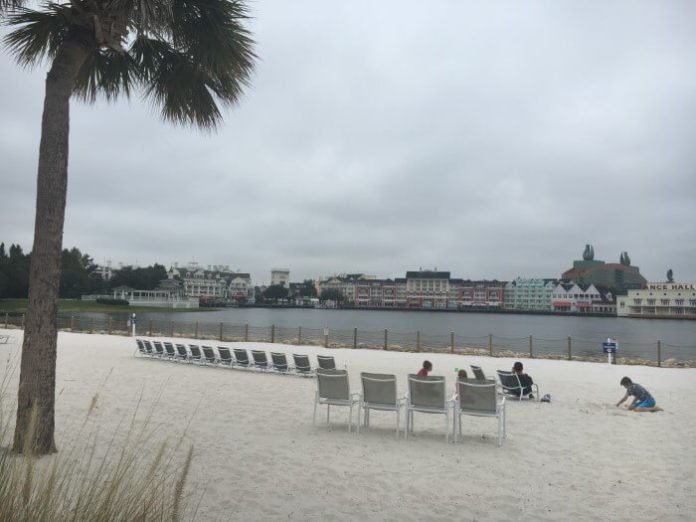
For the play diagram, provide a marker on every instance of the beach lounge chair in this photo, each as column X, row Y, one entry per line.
column 196, row 355
column 225, row 356
column 209, row 354
column 480, row 399
column 302, row 366
column 260, row 360
column 280, row 362
column 512, row 386
column 181, row 352
column 478, row 373
column 379, row 393
column 427, row 395
column 148, row 348
column 326, row 362
column 333, row 390
column 159, row 351
column 141, row 348
column 242, row 357
column 169, row 350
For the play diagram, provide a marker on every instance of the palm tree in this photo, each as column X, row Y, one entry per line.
column 187, row 56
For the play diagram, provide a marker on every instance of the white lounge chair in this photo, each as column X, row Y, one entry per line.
column 379, row 393
column 512, row 386
column 302, row 365
column 427, row 395
column 333, row 390
column 326, row 362
column 480, row 399
column 280, row 362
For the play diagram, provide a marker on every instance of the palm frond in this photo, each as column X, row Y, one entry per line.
column 7, row 6
column 106, row 72
column 177, row 85
column 39, row 35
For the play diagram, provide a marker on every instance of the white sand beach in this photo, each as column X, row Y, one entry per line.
column 258, row 457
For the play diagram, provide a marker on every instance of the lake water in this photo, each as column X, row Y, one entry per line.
column 510, row 331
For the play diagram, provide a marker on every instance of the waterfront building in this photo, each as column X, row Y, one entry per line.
column 280, row 276
column 659, row 300
column 477, row 294
column 427, row 289
column 616, row 277
column 571, row 297
column 216, row 283
column 343, row 283
column 532, row 294
column 375, row 293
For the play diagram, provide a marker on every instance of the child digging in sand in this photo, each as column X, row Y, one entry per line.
column 642, row 400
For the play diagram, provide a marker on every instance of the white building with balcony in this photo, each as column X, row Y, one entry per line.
column 660, row 301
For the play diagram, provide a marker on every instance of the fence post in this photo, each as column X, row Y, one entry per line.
column 72, row 323
column 7, row 317
column 23, row 319
column 386, row 336
column 150, row 334
column 451, row 342
column 418, row 348
column 490, row 345
column 531, row 354
column 246, row 333
column 326, row 337
column 110, row 324
column 220, row 332
column 299, row 335
column 570, row 353
column 195, row 335
column 171, row 328
column 355, row 338
column 272, row 333
column 659, row 353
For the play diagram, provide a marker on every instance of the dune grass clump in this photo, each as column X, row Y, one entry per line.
column 127, row 478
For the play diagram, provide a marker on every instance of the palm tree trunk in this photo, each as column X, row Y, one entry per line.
column 37, row 379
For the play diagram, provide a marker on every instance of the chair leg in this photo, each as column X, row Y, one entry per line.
column 350, row 418
column 397, row 422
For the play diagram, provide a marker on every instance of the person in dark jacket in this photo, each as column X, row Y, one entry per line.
column 525, row 380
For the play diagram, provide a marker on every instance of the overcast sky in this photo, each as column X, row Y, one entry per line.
column 490, row 139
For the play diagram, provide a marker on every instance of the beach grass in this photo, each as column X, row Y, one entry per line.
column 128, row 475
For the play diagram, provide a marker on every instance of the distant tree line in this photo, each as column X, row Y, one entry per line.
column 78, row 275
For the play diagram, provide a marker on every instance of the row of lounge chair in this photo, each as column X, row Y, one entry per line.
column 233, row 357
column 425, row 395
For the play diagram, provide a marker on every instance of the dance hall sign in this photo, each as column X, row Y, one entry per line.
column 671, row 286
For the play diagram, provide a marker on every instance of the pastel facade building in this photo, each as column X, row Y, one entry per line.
column 280, row 276
column 532, row 294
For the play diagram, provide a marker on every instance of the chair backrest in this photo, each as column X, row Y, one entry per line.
column 169, row 347
column 509, row 380
column 326, row 362
column 301, row 363
column 260, row 358
column 379, row 388
column 241, row 355
column 209, row 353
column 225, row 355
column 279, row 361
column 333, row 384
column 477, row 396
column 148, row 346
column 140, row 344
column 195, row 351
column 158, row 347
column 182, row 350
column 427, row 392
column 478, row 373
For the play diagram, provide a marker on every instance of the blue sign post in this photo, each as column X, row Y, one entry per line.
column 610, row 347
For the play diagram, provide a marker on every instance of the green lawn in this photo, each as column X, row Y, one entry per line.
column 75, row 305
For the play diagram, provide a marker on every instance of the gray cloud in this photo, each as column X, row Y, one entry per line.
column 490, row 140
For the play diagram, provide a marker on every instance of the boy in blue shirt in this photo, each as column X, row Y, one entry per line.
column 642, row 400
